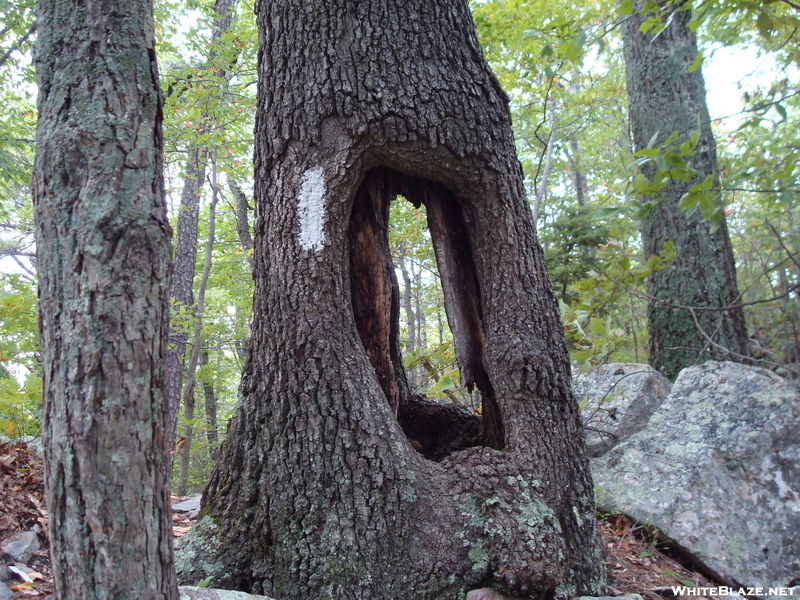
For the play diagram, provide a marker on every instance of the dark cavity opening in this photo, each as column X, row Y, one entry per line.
column 437, row 428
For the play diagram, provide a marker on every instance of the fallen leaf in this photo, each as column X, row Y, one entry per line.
column 20, row 587
column 7, row 459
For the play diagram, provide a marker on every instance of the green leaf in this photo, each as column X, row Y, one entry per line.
column 648, row 152
column 580, row 39
column 764, row 24
column 653, row 139
column 695, row 64
column 687, row 201
column 605, row 213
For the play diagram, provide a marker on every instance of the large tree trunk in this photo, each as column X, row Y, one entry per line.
column 318, row 492
column 103, row 246
column 665, row 97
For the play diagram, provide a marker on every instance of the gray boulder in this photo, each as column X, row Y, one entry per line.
column 616, row 401
column 5, row 593
column 190, row 505
column 21, row 547
column 717, row 470
column 196, row 554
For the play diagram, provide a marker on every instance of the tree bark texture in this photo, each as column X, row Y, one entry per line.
column 318, row 493
column 103, row 246
column 665, row 97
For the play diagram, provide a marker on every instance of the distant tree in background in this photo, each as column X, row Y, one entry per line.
column 666, row 94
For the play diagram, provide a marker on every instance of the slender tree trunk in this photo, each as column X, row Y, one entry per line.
column 318, row 492
column 242, row 219
column 197, row 339
column 665, row 97
column 211, row 410
column 541, row 193
column 574, row 153
column 103, row 248
column 183, row 268
column 411, row 317
column 186, row 242
column 581, row 185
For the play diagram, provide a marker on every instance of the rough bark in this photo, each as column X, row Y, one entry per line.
column 103, row 247
column 664, row 97
column 318, row 492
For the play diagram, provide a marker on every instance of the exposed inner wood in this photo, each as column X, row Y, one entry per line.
column 439, row 428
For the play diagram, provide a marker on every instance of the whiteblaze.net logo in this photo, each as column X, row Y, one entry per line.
column 722, row 590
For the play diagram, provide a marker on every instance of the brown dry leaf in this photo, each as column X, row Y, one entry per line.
column 20, row 587
column 180, row 530
column 7, row 459
column 36, row 576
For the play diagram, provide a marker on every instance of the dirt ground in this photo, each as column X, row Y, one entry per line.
column 636, row 561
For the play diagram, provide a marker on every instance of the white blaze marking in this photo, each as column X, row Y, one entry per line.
column 311, row 208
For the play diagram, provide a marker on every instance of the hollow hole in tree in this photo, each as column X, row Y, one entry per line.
column 426, row 340
column 450, row 417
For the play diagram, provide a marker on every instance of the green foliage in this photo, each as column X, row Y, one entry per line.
column 570, row 244
column 20, row 377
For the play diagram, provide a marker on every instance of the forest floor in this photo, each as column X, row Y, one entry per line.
column 636, row 561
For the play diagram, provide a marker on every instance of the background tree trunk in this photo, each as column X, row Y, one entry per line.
column 212, row 435
column 197, row 340
column 665, row 97
column 318, row 492
column 103, row 248
column 186, row 242
column 183, row 271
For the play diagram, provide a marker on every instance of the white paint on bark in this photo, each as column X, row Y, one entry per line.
column 311, row 209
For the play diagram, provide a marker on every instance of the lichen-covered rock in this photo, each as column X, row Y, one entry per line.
column 488, row 594
column 718, row 471
column 196, row 552
column 196, row 593
column 616, row 401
